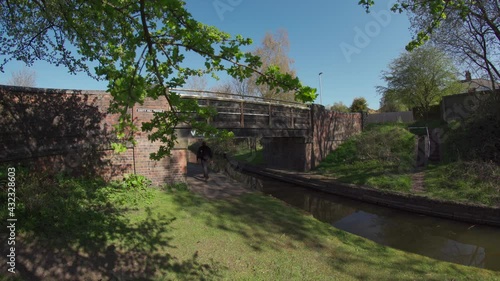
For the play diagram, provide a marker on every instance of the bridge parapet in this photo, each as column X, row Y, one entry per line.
column 251, row 116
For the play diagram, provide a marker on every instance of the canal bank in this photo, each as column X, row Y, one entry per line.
column 408, row 202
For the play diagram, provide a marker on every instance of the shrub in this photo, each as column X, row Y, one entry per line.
column 48, row 203
column 392, row 144
column 388, row 144
column 128, row 192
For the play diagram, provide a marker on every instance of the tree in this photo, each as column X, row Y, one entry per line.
column 419, row 78
column 197, row 83
column 139, row 47
column 23, row 78
column 436, row 12
column 391, row 105
column 359, row 104
column 273, row 52
column 473, row 41
column 339, row 107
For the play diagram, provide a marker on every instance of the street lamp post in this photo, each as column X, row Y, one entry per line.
column 320, row 89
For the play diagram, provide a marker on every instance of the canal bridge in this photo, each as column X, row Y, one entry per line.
column 294, row 135
column 72, row 129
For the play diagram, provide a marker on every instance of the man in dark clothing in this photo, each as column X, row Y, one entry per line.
column 204, row 155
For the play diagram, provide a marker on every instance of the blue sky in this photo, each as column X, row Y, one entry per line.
column 336, row 37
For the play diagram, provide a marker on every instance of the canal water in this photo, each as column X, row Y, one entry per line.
column 442, row 239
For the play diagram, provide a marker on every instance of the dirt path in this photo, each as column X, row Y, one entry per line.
column 218, row 186
column 417, row 179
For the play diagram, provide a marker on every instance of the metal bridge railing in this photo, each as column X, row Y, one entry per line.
column 239, row 111
column 188, row 93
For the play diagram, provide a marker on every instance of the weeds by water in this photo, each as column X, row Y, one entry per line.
column 473, row 182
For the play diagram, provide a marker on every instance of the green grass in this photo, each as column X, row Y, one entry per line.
column 381, row 157
column 257, row 237
column 469, row 182
column 372, row 173
column 177, row 235
column 251, row 157
column 433, row 123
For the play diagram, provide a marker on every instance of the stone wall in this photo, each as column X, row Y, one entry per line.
column 71, row 131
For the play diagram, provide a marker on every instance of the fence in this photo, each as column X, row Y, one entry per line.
column 404, row 116
column 187, row 93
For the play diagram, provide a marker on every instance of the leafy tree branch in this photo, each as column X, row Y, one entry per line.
column 139, row 47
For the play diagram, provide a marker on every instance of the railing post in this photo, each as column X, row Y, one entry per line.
column 291, row 117
column 270, row 116
column 242, row 115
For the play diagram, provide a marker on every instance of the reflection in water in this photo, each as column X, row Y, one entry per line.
column 442, row 239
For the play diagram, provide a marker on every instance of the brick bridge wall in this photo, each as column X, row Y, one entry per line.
column 70, row 130
column 328, row 130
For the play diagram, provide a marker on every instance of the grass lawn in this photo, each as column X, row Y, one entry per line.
column 470, row 182
column 176, row 235
column 371, row 173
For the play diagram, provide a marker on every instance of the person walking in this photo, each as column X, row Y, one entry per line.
column 204, row 155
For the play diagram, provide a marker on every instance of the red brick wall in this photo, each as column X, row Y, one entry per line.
column 330, row 129
column 72, row 131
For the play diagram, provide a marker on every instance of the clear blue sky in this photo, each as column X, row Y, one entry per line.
column 337, row 38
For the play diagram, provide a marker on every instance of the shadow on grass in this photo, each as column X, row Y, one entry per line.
column 391, row 267
column 74, row 232
column 266, row 224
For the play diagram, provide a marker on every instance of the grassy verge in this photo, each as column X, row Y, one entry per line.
column 372, row 173
column 381, row 157
column 126, row 232
column 470, row 182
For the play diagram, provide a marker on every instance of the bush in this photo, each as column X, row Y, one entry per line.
column 128, row 192
column 58, row 204
column 388, row 143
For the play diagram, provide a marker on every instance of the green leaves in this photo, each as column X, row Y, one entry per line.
column 437, row 12
column 285, row 82
column 139, row 48
column 419, row 78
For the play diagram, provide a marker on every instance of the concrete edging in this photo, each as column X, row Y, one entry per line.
column 407, row 202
